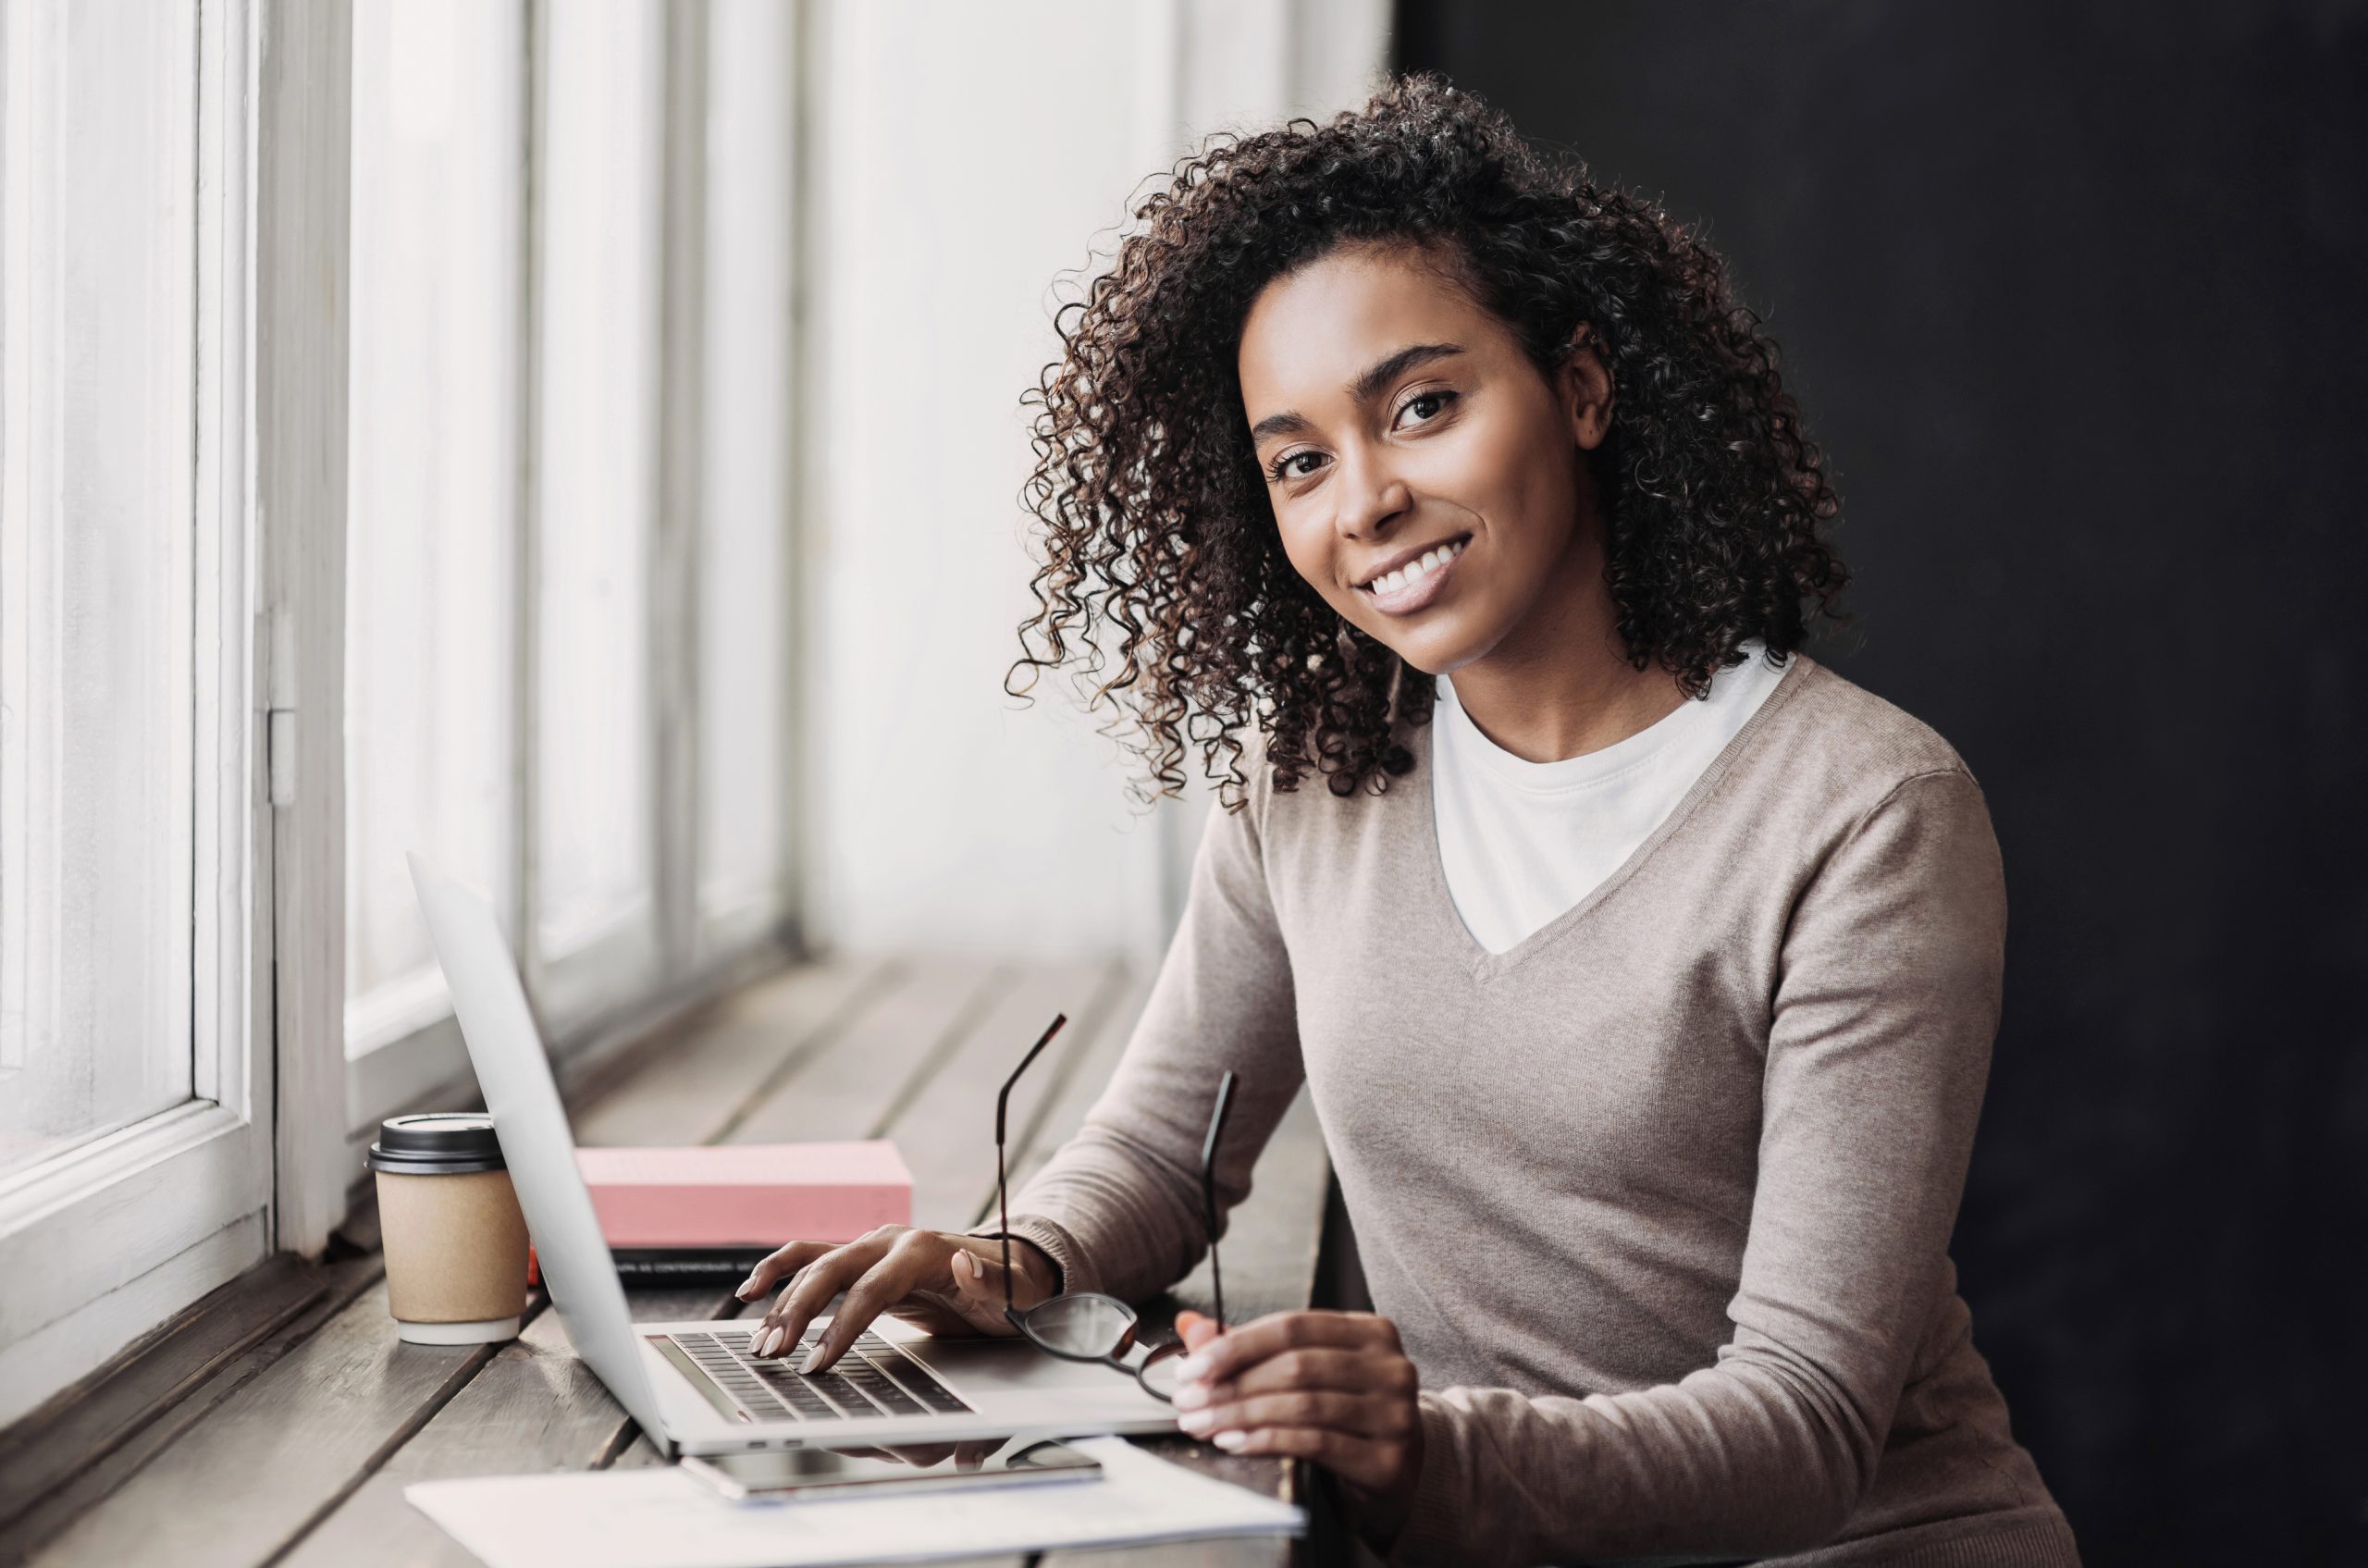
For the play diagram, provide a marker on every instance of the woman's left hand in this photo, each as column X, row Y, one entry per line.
column 1332, row 1387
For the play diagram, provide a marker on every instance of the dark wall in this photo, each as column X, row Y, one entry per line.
column 2073, row 297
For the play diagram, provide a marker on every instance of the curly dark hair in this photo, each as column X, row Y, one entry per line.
column 1158, row 532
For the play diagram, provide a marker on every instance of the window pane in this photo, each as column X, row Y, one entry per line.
column 599, row 475
column 742, row 544
column 433, row 484
column 97, row 795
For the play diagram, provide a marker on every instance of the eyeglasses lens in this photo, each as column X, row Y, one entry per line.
column 1085, row 1325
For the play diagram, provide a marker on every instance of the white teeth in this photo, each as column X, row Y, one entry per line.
column 1417, row 569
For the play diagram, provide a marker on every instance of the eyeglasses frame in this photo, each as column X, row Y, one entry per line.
column 1127, row 1342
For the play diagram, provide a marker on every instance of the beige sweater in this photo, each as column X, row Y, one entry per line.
column 1659, row 1199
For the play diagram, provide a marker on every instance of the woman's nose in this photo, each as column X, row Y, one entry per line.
column 1371, row 496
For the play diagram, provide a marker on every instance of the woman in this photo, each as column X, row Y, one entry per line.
column 1644, row 971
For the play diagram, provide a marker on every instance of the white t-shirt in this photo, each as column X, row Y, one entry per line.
column 1521, row 841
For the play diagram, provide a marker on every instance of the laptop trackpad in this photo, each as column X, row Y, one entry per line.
column 986, row 1369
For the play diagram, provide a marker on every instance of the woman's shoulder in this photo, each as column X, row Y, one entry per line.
column 1837, row 743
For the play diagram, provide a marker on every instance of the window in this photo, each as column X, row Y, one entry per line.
column 743, row 652
column 358, row 494
column 567, row 598
column 136, row 1145
column 434, row 443
column 97, row 544
column 595, row 915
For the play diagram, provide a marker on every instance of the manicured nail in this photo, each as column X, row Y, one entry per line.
column 771, row 1341
column 1191, row 1396
column 1197, row 1422
column 1192, row 1369
column 1229, row 1441
column 746, row 1286
column 813, row 1359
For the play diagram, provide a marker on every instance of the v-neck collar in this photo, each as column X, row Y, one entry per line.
column 1485, row 966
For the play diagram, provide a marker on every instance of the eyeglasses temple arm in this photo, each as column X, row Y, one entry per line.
column 1002, row 1193
column 1209, row 1187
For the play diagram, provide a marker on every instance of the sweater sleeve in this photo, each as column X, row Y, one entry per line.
column 1885, row 1008
column 1119, row 1206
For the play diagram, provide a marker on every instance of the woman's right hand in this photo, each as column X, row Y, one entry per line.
column 939, row 1281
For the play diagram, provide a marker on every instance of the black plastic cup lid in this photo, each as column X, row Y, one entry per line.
column 437, row 1143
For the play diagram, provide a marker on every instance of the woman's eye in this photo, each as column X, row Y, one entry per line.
column 1285, row 465
column 1426, row 406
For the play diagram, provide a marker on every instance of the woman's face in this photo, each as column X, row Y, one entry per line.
column 1428, row 480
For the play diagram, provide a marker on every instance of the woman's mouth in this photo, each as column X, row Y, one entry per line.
column 1419, row 582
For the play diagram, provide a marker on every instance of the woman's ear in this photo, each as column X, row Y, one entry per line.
column 1583, row 383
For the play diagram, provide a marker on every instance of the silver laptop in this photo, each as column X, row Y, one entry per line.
column 693, row 1386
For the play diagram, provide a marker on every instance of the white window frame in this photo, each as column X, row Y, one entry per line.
column 417, row 1057
column 112, row 1237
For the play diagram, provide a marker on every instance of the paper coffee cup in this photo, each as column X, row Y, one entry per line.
column 455, row 1240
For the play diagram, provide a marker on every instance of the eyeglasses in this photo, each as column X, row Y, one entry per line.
column 1088, row 1324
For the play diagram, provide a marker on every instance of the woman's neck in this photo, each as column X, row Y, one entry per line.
column 1560, row 684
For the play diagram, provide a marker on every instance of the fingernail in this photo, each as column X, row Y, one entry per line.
column 1229, row 1441
column 1191, row 1396
column 1192, row 1369
column 746, row 1286
column 1197, row 1422
column 772, row 1338
column 813, row 1359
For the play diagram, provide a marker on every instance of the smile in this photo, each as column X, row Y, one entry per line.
column 1404, row 589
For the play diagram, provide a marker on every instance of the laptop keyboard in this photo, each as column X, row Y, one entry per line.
column 873, row 1378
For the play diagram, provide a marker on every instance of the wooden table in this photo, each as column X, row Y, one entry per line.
column 281, row 1426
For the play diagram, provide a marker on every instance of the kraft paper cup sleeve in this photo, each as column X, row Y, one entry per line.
column 455, row 1247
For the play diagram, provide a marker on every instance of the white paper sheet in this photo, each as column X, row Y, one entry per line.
column 662, row 1518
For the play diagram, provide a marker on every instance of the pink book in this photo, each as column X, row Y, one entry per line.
column 747, row 1195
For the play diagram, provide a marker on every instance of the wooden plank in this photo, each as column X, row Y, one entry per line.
column 87, row 1488
column 1074, row 1092
column 848, row 1088
column 252, row 1474
column 97, row 1417
column 534, row 1406
column 685, row 1088
column 947, row 1129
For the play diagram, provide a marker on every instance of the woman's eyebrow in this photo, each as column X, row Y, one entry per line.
column 1370, row 385
column 1364, row 388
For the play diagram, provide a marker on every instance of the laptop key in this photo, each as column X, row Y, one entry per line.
column 802, row 1398
column 915, row 1378
column 928, row 1389
column 844, row 1394
column 883, row 1391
